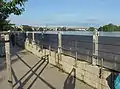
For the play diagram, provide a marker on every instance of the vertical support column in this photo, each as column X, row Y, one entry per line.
column 8, row 61
column 33, row 37
column 95, row 47
column 59, row 46
column 49, row 52
column 45, row 52
column 33, row 40
column 27, row 40
column 26, row 36
column 76, row 57
column 59, row 49
column 55, row 58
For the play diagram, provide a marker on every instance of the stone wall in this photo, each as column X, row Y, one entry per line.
column 85, row 72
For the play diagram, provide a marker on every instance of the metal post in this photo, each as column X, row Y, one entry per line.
column 49, row 50
column 60, row 50
column 59, row 46
column 33, row 37
column 8, row 61
column 95, row 47
column 27, row 40
column 55, row 57
column 70, row 51
column 26, row 36
column 45, row 52
column 76, row 57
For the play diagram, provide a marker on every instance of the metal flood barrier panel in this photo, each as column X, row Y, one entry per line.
column 47, row 40
column 82, row 43
column 20, row 38
column 78, row 43
column 109, row 50
column 29, row 36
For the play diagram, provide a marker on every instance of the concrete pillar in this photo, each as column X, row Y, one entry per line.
column 26, row 41
column 95, row 47
column 26, row 36
column 8, row 61
column 33, row 37
column 60, row 51
column 59, row 46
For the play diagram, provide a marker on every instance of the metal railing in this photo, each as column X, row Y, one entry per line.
column 88, row 47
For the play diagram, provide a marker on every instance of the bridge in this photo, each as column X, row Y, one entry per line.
column 48, row 61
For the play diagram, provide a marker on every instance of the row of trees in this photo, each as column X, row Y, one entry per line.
column 8, row 7
column 106, row 28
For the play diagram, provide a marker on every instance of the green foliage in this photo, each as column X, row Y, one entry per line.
column 11, row 7
column 109, row 28
column 91, row 29
column 71, row 29
column 63, row 29
column 27, row 28
column 41, row 29
column 8, row 7
column 5, row 25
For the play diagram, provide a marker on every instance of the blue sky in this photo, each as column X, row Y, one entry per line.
column 82, row 13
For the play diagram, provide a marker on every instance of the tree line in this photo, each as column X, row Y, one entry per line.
column 106, row 28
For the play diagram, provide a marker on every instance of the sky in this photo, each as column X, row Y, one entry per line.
column 82, row 13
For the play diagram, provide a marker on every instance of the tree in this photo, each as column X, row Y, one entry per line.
column 27, row 28
column 41, row 29
column 8, row 7
column 71, row 29
column 109, row 28
column 91, row 29
column 63, row 29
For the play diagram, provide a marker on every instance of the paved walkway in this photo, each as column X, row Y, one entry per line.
column 32, row 72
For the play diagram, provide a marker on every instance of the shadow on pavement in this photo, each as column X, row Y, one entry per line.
column 15, row 78
column 19, row 46
column 37, row 65
column 14, row 50
column 70, row 80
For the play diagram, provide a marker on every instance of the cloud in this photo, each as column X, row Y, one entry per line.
column 92, row 20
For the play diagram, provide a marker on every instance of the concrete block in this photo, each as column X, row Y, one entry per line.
column 90, row 82
column 91, row 76
column 106, row 74
column 92, row 69
column 68, row 59
column 104, row 87
column 81, row 65
column 52, row 62
column 67, row 67
column 80, row 71
column 104, row 83
column 80, row 75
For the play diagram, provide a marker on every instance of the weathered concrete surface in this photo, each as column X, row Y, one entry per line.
column 48, row 76
column 86, row 72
